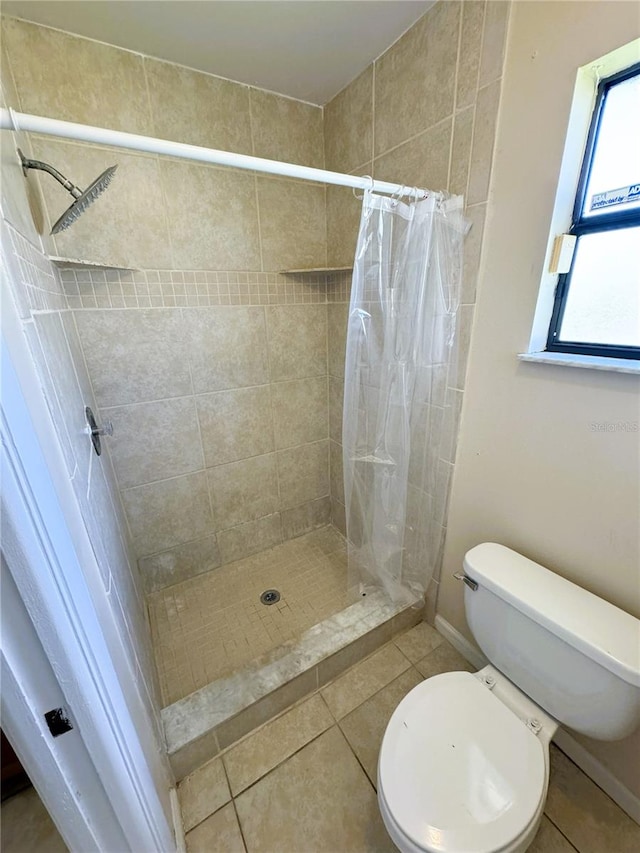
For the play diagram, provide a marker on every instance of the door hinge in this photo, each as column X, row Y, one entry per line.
column 58, row 721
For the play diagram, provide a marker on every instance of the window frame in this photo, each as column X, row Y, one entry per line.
column 581, row 225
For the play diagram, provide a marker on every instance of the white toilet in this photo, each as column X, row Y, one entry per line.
column 464, row 763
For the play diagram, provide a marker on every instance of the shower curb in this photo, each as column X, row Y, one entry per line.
column 201, row 725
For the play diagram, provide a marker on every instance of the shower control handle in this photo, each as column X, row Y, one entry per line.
column 96, row 431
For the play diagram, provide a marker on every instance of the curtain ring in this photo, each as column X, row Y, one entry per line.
column 396, row 196
column 369, row 188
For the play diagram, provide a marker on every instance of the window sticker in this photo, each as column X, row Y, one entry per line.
column 623, row 195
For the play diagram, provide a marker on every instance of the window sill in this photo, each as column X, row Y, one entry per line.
column 592, row 362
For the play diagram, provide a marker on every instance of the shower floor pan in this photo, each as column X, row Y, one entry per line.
column 227, row 662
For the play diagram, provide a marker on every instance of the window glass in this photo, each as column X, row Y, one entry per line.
column 603, row 303
column 616, row 160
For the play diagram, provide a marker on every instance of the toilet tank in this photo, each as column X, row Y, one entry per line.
column 574, row 654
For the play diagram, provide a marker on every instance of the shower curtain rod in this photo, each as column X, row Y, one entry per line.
column 11, row 120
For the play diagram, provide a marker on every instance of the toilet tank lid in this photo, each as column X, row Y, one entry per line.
column 598, row 629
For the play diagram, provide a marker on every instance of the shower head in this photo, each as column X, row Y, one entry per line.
column 82, row 198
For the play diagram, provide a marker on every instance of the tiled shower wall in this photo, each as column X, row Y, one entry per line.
column 35, row 287
column 211, row 365
column 424, row 114
column 219, row 411
column 197, row 427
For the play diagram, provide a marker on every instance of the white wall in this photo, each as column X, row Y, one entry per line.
column 530, row 472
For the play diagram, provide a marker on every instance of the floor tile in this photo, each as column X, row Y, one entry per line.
column 318, row 800
column 419, row 641
column 273, row 743
column 364, row 728
column 585, row 814
column 202, row 793
column 219, row 833
column 363, row 680
column 443, row 659
column 26, row 826
column 549, row 839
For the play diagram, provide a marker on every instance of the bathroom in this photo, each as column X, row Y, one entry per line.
column 201, row 311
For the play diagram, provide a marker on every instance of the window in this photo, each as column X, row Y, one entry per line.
column 597, row 301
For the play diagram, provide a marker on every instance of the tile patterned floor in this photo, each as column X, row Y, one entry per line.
column 305, row 781
column 211, row 625
column 27, row 827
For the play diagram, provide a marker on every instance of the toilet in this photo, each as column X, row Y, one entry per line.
column 464, row 762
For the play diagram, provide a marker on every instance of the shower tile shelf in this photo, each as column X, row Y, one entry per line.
column 79, row 264
column 316, row 270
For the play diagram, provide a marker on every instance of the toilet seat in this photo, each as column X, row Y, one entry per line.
column 458, row 770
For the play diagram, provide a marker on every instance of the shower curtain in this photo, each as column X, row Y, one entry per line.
column 399, row 421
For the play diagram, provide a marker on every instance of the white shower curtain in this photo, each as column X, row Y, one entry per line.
column 399, row 422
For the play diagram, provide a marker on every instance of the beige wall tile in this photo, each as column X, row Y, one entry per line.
column 472, row 249
column 584, row 813
column 154, row 441
column 348, row 125
column 219, row 833
column 212, row 217
column 343, row 222
column 168, row 513
column 338, row 516
column 75, row 79
column 300, row 411
column 284, row 129
column 415, row 78
column 483, row 139
column 227, row 347
column 471, row 40
column 303, row 473
column 461, row 152
column 444, row 658
column 199, row 109
column 336, row 472
column 337, row 313
column 126, row 226
column 134, row 356
column 243, row 491
column 423, row 161
column 297, row 341
column 496, row 20
column 235, row 424
column 179, row 563
column 202, row 793
column 363, row 680
column 465, row 325
column 336, row 400
column 340, row 808
column 249, row 538
column 269, row 746
column 301, row 519
column 292, row 224
column 364, row 727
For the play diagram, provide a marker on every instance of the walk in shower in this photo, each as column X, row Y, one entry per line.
column 204, row 311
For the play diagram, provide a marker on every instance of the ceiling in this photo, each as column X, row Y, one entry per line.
column 306, row 49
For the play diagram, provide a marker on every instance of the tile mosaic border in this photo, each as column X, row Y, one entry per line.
column 163, row 288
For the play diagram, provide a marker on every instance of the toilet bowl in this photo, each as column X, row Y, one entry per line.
column 464, row 762
column 464, row 766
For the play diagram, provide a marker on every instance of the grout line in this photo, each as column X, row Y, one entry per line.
column 455, row 100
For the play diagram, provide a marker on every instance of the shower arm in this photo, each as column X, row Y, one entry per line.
column 75, row 191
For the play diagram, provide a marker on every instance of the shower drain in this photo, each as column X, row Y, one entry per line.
column 270, row 596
